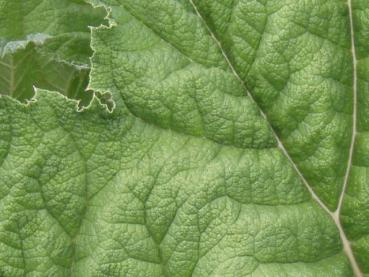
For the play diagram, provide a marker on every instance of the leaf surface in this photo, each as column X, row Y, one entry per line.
column 46, row 44
column 355, row 210
column 236, row 143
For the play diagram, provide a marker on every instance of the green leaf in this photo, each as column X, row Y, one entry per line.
column 40, row 45
column 65, row 23
column 236, row 145
column 25, row 68
column 355, row 210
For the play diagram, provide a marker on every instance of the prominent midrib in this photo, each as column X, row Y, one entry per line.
column 334, row 215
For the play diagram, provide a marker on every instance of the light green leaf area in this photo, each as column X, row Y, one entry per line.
column 299, row 71
column 98, row 194
column 46, row 44
column 227, row 153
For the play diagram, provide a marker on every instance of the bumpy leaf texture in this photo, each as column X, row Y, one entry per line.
column 238, row 144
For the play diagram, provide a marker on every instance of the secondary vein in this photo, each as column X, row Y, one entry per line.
column 334, row 215
column 354, row 109
column 279, row 141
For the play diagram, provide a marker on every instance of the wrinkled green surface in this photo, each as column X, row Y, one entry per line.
column 185, row 177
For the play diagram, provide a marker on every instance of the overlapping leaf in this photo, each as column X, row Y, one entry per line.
column 46, row 44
